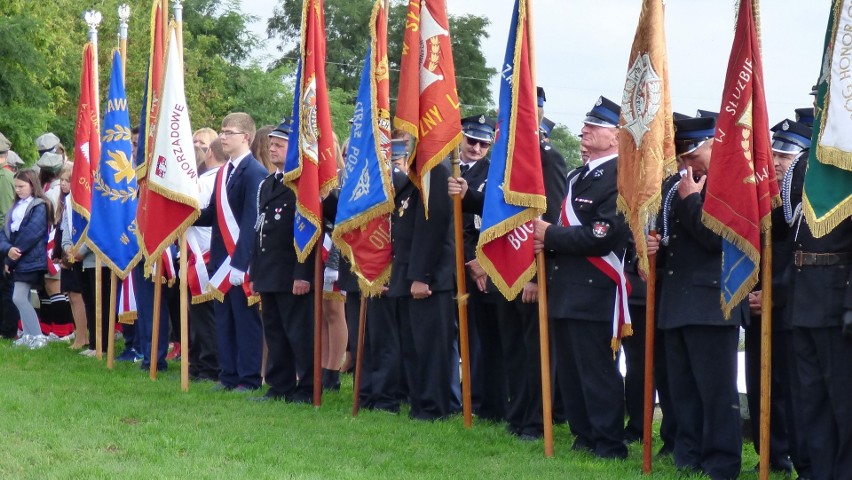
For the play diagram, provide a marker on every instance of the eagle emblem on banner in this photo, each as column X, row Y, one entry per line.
column 308, row 121
column 641, row 100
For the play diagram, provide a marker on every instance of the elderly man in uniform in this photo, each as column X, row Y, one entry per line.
column 700, row 344
column 582, row 303
column 284, row 284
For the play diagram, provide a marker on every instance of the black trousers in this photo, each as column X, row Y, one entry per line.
column 288, row 323
column 88, row 288
column 634, row 379
column 519, row 334
column 824, row 360
column 702, row 373
column 779, row 423
column 428, row 354
column 487, row 372
column 203, row 353
column 385, row 391
column 668, row 424
column 592, row 387
column 353, row 313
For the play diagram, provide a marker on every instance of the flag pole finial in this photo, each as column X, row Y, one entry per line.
column 93, row 20
column 177, row 6
column 123, row 17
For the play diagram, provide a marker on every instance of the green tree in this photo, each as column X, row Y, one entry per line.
column 568, row 145
column 40, row 60
column 348, row 33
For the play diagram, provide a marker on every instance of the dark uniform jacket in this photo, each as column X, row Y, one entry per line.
column 476, row 178
column 274, row 264
column 589, row 294
column 423, row 249
column 821, row 294
column 690, row 287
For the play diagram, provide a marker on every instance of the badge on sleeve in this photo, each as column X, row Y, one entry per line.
column 600, row 229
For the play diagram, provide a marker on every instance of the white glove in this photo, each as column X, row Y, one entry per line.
column 236, row 277
column 329, row 277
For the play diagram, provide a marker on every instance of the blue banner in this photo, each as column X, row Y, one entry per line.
column 112, row 228
column 363, row 183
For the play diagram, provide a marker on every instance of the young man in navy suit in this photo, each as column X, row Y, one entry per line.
column 232, row 214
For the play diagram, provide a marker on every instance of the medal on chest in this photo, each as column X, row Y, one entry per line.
column 277, row 214
column 403, row 207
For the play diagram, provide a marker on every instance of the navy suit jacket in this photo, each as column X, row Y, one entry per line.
column 242, row 197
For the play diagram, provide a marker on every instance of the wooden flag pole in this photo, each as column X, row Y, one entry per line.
column 318, row 316
column 155, row 327
column 541, row 278
column 359, row 355
column 765, row 352
column 113, row 287
column 462, row 297
column 184, row 316
column 93, row 19
column 544, row 346
column 99, row 314
column 648, row 410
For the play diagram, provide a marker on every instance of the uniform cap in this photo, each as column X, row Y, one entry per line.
column 790, row 137
column 282, row 130
column 50, row 161
column 479, row 127
column 605, row 113
column 46, row 142
column 691, row 133
column 5, row 144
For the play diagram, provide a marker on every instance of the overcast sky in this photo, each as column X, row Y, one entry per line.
column 582, row 48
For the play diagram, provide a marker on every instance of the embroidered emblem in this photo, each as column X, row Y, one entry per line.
column 641, row 100
column 600, row 229
column 363, row 186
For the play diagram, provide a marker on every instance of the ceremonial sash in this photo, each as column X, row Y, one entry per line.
column 229, row 227
column 197, row 277
column 52, row 268
column 127, row 302
column 611, row 266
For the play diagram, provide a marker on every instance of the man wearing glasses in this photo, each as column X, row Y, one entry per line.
column 232, row 214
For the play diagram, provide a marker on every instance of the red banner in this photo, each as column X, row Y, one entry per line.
column 87, row 147
column 741, row 184
column 316, row 172
column 428, row 103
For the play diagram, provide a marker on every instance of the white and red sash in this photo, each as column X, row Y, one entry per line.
column 612, row 266
column 197, row 277
column 219, row 283
column 127, row 301
column 52, row 268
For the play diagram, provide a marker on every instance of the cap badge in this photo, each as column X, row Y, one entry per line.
column 786, row 125
column 482, row 119
column 599, row 102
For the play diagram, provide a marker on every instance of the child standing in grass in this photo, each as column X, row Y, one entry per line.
column 23, row 241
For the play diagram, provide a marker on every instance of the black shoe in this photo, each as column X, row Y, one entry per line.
column 330, row 380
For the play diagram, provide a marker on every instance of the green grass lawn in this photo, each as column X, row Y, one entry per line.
column 67, row 416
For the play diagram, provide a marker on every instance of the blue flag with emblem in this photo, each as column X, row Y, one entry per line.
column 113, row 224
column 362, row 226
